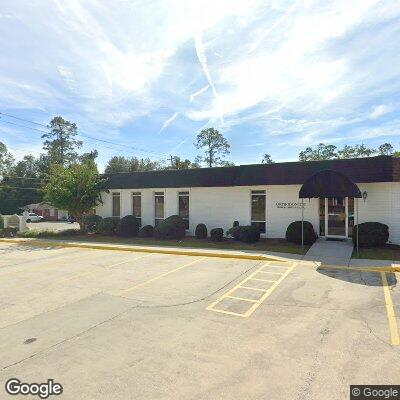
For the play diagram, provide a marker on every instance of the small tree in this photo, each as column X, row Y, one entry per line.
column 385, row 149
column 321, row 152
column 267, row 159
column 75, row 188
column 215, row 147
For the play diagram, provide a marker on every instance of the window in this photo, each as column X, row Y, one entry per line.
column 116, row 205
column 158, row 207
column 258, row 209
column 137, row 206
column 183, row 207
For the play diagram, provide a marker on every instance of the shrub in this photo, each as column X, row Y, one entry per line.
column 235, row 224
column 247, row 233
column 172, row 227
column 8, row 232
column 217, row 234
column 48, row 233
column 201, row 231
column 128, row 226
column 370, row 234
column 146, row 231
column 1, row 222
column 293, row 233
column 108, row 226
column 92, row 222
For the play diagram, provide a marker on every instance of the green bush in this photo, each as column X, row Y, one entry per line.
column 8, row 232
column 217, row 234
column 146, row 231
column 1, row 222
column 370, row 234
column 247, row 233
column 172, row 227
column 108, row 226
column 293, row 233
column 49, row 234
column 92, row 222
column 201, row 231
column 128, row 226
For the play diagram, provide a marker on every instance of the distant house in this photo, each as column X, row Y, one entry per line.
column 47, row 211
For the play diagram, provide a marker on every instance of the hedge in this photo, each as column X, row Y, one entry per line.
column 108, row 226
column 217, row 234
column 146, row 231
column 293, row 233
column 92, row 222
column 201, row 231
column 370, row 234
column 172, row 227
column 247, row 233
column 128, row 226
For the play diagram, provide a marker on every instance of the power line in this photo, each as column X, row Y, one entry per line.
column 20, row 177
column 22, row 119
column 19, row 187
column 80, row 134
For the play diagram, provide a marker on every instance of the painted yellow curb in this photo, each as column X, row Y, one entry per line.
column 372, row 269
column 44, row 243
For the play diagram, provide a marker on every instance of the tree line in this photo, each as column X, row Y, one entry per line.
column 22, row 182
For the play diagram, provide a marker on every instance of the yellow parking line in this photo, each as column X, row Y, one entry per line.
column 253, row 288
column 394, row 331
column 227, row 312
column 273, row 273
column 270, row 290
column 159, row 276
column 98, row 270
column 258, row 302
column 259, row 279
column 242, row 298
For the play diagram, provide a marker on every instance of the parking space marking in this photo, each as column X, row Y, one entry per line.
column 394, row 331
column 241, row 285
column 130, row 289
column 96, row 271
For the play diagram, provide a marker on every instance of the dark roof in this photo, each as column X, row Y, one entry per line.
column 358, row 170
column 329, row 183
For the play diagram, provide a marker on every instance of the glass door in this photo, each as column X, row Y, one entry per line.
column 336, row 210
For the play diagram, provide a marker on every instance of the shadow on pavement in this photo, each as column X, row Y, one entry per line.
column 363, row 277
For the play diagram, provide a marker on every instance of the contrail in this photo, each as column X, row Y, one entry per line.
column 275, row 24
column 168, row 122
column 201, row 55
column 202, row 90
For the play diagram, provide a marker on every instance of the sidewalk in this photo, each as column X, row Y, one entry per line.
column 330, row 252
column 314, row 258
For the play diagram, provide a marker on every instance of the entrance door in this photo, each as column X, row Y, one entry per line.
column 336, row 217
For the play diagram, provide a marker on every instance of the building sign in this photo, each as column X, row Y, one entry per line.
column 289, row 205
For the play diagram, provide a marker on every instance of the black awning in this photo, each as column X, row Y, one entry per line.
column 329, row 183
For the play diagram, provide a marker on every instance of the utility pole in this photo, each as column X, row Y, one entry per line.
column 172, row 161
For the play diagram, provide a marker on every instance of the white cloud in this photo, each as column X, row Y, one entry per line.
column 288, row 67
column 380, row 111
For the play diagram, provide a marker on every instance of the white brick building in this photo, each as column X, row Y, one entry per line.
column 266, row 195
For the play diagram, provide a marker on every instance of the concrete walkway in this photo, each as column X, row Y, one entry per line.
column 330, row 252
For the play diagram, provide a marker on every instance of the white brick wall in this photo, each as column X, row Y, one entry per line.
column 220, row 206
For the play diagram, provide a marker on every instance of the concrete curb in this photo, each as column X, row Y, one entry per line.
column 215, row 254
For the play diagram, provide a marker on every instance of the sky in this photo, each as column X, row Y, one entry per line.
column 272, row 76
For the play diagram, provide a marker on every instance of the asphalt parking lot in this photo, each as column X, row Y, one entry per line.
column 120, row 325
